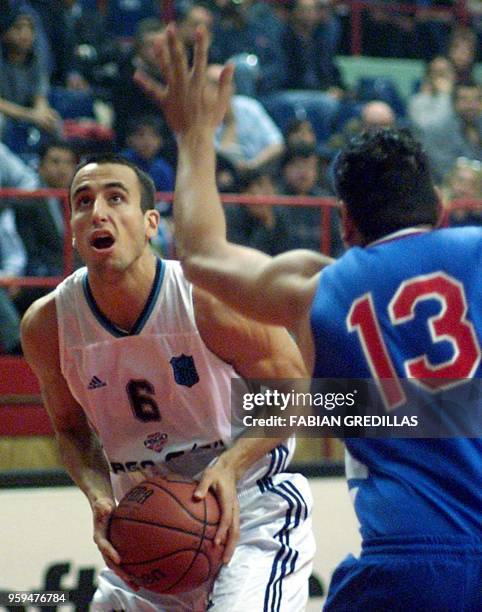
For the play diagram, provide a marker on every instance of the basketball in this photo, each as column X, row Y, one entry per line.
column 165, row 538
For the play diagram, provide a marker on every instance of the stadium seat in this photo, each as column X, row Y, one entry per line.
column 319, row 108
column 380, row 88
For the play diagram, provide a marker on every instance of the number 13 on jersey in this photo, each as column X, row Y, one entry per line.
column 449, row 324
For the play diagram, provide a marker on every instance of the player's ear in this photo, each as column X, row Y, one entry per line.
column 152, row 219
column 442, row 213
column 349, row 231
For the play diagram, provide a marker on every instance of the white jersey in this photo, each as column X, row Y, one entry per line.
column 156, row 396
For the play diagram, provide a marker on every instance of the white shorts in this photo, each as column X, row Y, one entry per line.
column 268, row 572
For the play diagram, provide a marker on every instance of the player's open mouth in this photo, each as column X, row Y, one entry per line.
column 102, row 241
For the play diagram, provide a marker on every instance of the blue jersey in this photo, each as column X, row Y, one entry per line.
column 408, row 306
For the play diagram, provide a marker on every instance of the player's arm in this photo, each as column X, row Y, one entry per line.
column 79, row 447
column 268, row 289
column 255, row 351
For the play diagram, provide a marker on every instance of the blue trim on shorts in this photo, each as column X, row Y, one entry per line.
column 285, row 560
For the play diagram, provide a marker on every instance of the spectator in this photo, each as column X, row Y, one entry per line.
column 12, row 262
column 377, row 114
column 248, row 136
column 124, row 17
column 188, row 20
column 249, row 35
column 256, row 225
column 462, row 52
column 94, row 52
column 145, row 142
column 301, row 177
column 388, row 31
column 434, row 100
column 129, row 101
column 464, row 182
column 308, row 44
column 23, row 83
column 15, row 174
column 300, row 131
column 41, row 222
column 372, row 115
column 459, row 135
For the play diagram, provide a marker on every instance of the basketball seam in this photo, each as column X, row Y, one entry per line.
column 170, row 527
column 163, row 557
column 201, row 540
column 180, row 502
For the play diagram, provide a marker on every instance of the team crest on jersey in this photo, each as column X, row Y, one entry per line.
column 184, row 369
column 156, row 441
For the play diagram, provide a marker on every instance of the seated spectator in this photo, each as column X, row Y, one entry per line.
column 389, row 31
column 300, row 176
column 377, row 114
column 256, row 225
column 128, row 100
column 248, row 136
column 434, row 100
column 373, row 114
column 13, row 174
column 12, row 263
column 193, row 16
column 459, row 134
column 93, row 65
column 123, row 18
column 462, row 52
column 464, row 182
column 145, row 142
column 23, row 83
column 300, row 131
column 308, row 46
column 41, row 222
column 249, row 35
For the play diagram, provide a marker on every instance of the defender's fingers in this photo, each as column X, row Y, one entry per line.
column 152, row 88
column 201, row 48
column 177, row 52
column 161, row 51
column 225, row 85
column 107, row 550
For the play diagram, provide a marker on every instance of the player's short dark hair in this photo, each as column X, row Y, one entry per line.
column 383, row 177
column 148, row 189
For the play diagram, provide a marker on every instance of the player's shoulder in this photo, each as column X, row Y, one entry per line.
column 39, row 323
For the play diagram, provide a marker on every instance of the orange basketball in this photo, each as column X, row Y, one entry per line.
column 166, row 539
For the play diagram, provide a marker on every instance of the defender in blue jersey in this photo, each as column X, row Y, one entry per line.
column 404, row 303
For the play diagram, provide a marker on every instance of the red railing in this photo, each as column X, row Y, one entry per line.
column 20, row 402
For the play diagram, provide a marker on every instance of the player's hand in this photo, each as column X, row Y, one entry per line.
column 187, row 100
column 102, row 509
column 221, row 480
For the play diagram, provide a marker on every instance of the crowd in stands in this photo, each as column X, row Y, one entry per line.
column 67, row 89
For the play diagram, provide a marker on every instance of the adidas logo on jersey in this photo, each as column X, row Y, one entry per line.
column 96, row 383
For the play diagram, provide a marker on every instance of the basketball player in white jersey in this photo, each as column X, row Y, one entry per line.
column 135, row 367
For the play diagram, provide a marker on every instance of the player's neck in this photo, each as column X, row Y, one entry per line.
column 121, row 296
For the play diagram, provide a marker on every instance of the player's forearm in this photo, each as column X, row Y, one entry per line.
column 198, row 212
column 246, row 451
column 84, row 460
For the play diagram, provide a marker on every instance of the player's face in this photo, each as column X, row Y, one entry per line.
column 109, row 229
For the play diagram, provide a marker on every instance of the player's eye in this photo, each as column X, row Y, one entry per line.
column 116, row 198
column 83, row 201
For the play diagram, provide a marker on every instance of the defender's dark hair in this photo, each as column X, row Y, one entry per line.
column 383, row 176
column 148, row 189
